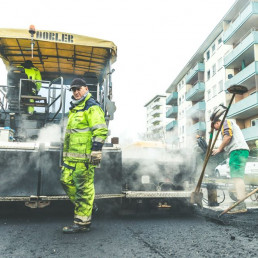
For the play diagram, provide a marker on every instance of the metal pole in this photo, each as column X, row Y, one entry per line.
column 198, row 187
column 235, row 204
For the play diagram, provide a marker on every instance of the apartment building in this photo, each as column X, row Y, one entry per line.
column 156, row 118
column 240, row 30
column 228, row 56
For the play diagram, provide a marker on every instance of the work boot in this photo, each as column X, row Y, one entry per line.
column 240, row 208
column 77, row 227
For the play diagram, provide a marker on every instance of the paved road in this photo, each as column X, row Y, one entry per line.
column 37, row 233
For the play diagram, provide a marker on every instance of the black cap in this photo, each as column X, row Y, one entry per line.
column 77, row 82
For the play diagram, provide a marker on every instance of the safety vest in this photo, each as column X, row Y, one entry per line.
column 86, row 124
column 33, row 73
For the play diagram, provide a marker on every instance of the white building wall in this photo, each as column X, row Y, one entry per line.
column 156, row 132
column 214, row 86
column 183, row 105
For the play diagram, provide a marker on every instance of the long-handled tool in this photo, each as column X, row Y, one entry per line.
column 196, row 196
column 235, row 204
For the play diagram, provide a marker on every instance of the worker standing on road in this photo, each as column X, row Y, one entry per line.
column 233, row 142
column 32, row 73
column 85, row 135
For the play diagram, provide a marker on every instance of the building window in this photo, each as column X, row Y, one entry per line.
column 214, row 70
column 208, row 75
column 179, row 101
column 219, row 41
column 254, row 122
column 220, row 85
column 208, row 55
column 213, row 48
column 214, row 89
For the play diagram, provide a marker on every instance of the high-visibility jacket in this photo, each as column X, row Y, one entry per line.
column 33, row 73
column 86, row 128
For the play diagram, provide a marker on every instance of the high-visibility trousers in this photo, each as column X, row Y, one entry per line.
column 77, row 179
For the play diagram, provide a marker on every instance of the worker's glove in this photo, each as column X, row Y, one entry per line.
column 95, row 157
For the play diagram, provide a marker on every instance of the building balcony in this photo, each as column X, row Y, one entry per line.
column 245, row 77
column 172, row 98
column 244, row 51
column 156, row 112
column 156, row 120
column 197, row 128
column 171, row 125
column 196, row 109
column 244, row 108
column 156, row 104
column 250, row 133
column 243, row 23
column 172, row 112
column 193, row 74
column 157, row 128
column 196, row 93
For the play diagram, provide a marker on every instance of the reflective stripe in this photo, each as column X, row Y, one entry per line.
column 99, row 126
column 87, row 129
column 98, row 139
column 76, row 155
column 84, row 219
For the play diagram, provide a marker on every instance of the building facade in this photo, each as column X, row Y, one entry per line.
column 156, row 118
column 228, row 56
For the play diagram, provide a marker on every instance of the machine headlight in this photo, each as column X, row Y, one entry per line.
column 145, row 179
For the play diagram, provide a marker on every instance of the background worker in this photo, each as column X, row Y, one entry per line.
column 33, row 73
column 233, row 142
column 85, row 135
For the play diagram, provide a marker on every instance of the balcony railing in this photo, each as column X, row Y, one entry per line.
column 156, row 112
column 196, row 93
column 199, row 67
column 236, row 53
column 172, row 112
column 171, row 125
column 172, row 98
column 195, row 109
column 241, row 78
column 239, row 22
column 244, row 108
column 156, row 120
column 197, row 128
column 250, row 133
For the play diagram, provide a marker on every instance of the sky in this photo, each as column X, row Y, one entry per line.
column 155, row 39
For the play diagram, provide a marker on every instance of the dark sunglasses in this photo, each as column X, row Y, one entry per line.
column 74, row 89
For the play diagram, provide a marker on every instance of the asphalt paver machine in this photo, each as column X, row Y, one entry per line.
column 31, row 145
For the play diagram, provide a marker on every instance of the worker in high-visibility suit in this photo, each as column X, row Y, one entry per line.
column 85, row 135
column 33, row 73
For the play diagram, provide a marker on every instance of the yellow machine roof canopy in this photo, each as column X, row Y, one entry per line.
column 56, row 53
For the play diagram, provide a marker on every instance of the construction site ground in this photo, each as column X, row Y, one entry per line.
column 178, row 232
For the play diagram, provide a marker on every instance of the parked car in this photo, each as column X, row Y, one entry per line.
column 223, row 170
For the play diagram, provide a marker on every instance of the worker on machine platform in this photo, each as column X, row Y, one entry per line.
column 32, row 73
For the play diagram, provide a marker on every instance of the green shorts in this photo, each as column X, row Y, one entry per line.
column 237, row 162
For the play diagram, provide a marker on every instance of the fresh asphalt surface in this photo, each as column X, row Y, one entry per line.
column 38, row 233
